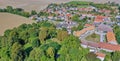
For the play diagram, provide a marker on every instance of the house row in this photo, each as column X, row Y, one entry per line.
column 83, row 31
column 102, row 19
column 104, row 11
column 85, row 9
column 101, row 46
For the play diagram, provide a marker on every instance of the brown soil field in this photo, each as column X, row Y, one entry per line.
column 9, row 21
column 37, row 5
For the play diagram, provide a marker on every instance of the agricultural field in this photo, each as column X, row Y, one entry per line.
column 9, row 21
column 41, row 4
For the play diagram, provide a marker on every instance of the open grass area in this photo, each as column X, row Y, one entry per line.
column 79, row 2
column 9, row 21
column 83, row 6
column 94, row 37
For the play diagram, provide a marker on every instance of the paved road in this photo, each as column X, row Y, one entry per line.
column 102, row 36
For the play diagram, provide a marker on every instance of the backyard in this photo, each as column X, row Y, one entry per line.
column 93, row 37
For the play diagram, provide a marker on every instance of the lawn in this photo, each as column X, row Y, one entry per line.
column 94, row 37
column 83, row 6
column 79, row 2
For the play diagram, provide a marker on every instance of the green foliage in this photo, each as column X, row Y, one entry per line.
column 50, row 52
column 33, row 12
column 101, row 6
column 117, row 34
column 61, row 35
column 71, row 50
column 43, row 14
column 36, row 55
column 107, row 58
column 43, row 34
column 9, row 9
column 35, row 42
column 77, row 3
column 17, row 53
column 92, row 57
column 116, row 56
column 75, row 18
column 46, row 24
column 17, row 11
column 55, row 45
column 119, row 8
column 93, row 35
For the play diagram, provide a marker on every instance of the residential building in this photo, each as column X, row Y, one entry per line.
column 104, row 28
column 98, row 20
column 101, row 56
column 81, row 32
column 101, row 46
column 111, row 38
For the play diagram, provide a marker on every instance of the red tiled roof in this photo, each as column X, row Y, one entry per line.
column 99, row 18
column 109, row 46
column 79, row 33
column 100, row 54
column 103, row 27
column 111, row 37
column 104, row 11
column 102, row 45
column 87, row 25
column 68, row 15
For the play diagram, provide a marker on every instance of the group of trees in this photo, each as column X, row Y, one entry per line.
column 117, row 34
column 43, row 42
column 119, row 8
column 114, row 56
column 78, row 3
column 40, row 42
column 18, row 11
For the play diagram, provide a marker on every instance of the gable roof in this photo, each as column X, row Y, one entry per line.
column 103, row 27
column 87, row 25
column 109, row 46
column 100, row 54
column 102, row 45
column 111, row 37
column 99, row 18
column 79, row 33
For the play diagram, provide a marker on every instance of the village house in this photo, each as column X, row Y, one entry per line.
column 83, row 31
column 100, row 46
column 88, row 15
column 73, row 8
column 118, row 19
column 105, row 11
column 104, row 28
column 33, row 17
column 101, row 56
column 85, row 9
column 111, row 38
column 99, row 19
column 87, row 25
